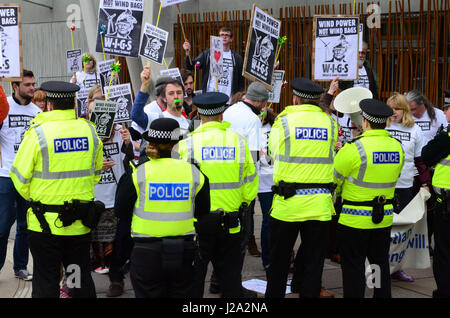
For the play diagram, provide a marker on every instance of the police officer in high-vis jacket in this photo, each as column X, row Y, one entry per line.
column 437, row 153
column 56, row 168
column 223, row 155
column 366, row 171
column 163, row 196
column 301, row 142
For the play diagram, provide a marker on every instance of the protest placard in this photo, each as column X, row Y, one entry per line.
column 335, row 47
column 82, row 101
column 122, row 21
column 216, row 56
column 166, row 3
column 262, row 45
column 277, row 84
column 174, row 73
column 11, row 68
column 154, row 42
column 105, row 71
column 74, row 63
column 103, row 115
column 121, row 94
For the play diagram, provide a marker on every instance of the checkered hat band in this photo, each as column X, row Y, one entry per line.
column 159, row 134
column 211, row 112
column 447, row 100
column 372, row 119
column 60, row 95
column 306, row 96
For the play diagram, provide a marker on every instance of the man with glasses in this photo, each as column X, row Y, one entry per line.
column 232, row 81
column 367, row 77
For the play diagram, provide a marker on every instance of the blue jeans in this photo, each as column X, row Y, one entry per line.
column 265, row 200
column 12, row 207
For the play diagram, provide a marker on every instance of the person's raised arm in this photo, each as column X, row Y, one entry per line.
column 137, row 111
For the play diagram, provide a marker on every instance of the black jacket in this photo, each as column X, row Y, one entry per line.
column 436, row 149
column 238, row 83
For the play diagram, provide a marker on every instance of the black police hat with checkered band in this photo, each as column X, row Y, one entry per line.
column 306, row 88
column 375, row 111
column 163, row 131
column 211, row 103
column 59, row 90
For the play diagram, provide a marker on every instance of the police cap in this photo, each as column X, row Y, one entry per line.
column 163, row 131
column 305, row 88
column 211, row 103
column 59, row 90
column 375, row 111
column 446, row 98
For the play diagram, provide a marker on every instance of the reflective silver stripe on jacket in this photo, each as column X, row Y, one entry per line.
column 19, row 176
column 164, row 216
column 311, row 160
column 359, row 181
column 445, row 162
column 47, row 175
column 225, row 185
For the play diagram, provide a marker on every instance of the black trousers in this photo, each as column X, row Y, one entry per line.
column 314, row 242
column 49, row 252
column 123, row 245
column 158, row 271
column 224, row 251
column 441, row 257
column 355, row 245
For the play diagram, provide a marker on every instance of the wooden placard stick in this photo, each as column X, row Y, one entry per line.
column 182, row 28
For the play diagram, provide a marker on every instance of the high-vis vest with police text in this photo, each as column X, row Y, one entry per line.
column 59, row 160
column 166, row 190
column 302, row 142
column 441, row 176
column 366, row 168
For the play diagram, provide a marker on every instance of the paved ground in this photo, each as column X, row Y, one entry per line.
column 422, row 287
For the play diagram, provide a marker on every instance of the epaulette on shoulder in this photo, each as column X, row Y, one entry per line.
column 355, row 139
column 87, row 121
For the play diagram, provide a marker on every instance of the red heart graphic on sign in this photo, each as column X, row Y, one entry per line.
column 217, row 55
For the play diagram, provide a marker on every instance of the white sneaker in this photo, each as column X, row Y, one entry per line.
column 102, row 270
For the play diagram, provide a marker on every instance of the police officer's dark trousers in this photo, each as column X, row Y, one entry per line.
column 441, row 257
column 163, row 270
column 314, row 241
column 354, row 246
column 224, row 251
column 49, row 252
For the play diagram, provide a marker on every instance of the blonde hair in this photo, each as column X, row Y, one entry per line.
column 399, row 101
column 92, row 91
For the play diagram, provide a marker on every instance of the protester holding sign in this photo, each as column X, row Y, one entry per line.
column 367, row 77
column 232, row 80
column 89, row 76
column 172, row 94
column 401, row 126
column 13, row 206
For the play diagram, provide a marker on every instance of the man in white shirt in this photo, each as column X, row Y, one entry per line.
column 244, row 119
column 172, row 93
column 12, row 205
column 244, row 115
